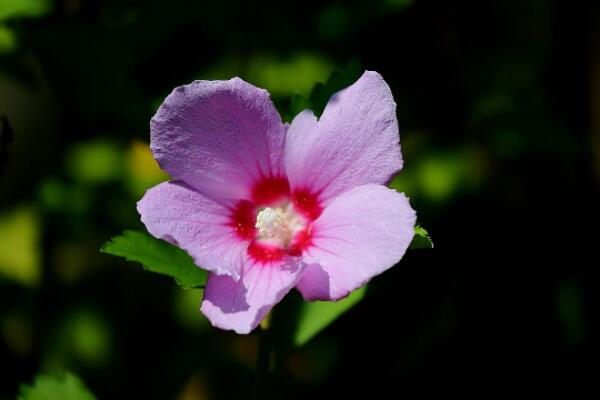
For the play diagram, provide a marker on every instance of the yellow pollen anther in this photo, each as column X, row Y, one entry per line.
column 271, row 222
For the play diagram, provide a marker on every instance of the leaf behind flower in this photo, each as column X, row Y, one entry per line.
column 317, row 315
column 158, row 256
column 421, row 240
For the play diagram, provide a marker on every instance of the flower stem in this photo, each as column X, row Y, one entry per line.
column 262, row 360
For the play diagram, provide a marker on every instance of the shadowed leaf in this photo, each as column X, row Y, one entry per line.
column 338, row 80
column 421, row 240
column 316, row 316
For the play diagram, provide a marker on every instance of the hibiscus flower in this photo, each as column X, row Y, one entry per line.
column 266, row 206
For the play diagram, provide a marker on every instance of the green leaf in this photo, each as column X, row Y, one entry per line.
column 95, row 162
column 23, row 8
column 421, row 240
column 20, row 249
column 316, row 316
column 340, row 79
column 298, row 103
column 8, row 39
column 64, row 386
column 157, row 256
column 322, row 92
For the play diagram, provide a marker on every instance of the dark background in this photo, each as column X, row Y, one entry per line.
column 499, row 111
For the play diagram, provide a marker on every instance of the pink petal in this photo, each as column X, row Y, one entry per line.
column 219, row 137
column 355, row 142
column 241, row 305
column 182, row 216
column 359, row 235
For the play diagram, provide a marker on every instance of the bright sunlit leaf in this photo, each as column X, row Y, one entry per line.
column 64, row 386
column 157, row 256
column 317, row 315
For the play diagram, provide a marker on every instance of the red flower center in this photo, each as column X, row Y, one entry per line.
column 277, row 221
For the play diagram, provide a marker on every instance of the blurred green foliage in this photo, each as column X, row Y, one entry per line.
column 288, row 77
column 20, row 255
column 8, row 41
column 321, row 91
column 186, row 304
column 10, row 9
column 81, row 337
column 570, row 306
column 14, row 9
column 63, row 386
column 439, row 177
column 95, row 162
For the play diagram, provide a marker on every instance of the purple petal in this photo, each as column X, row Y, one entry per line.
column 360, row 234
column 219, row 137
column 241, row 305
column 355, row 142
column 182, row 216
